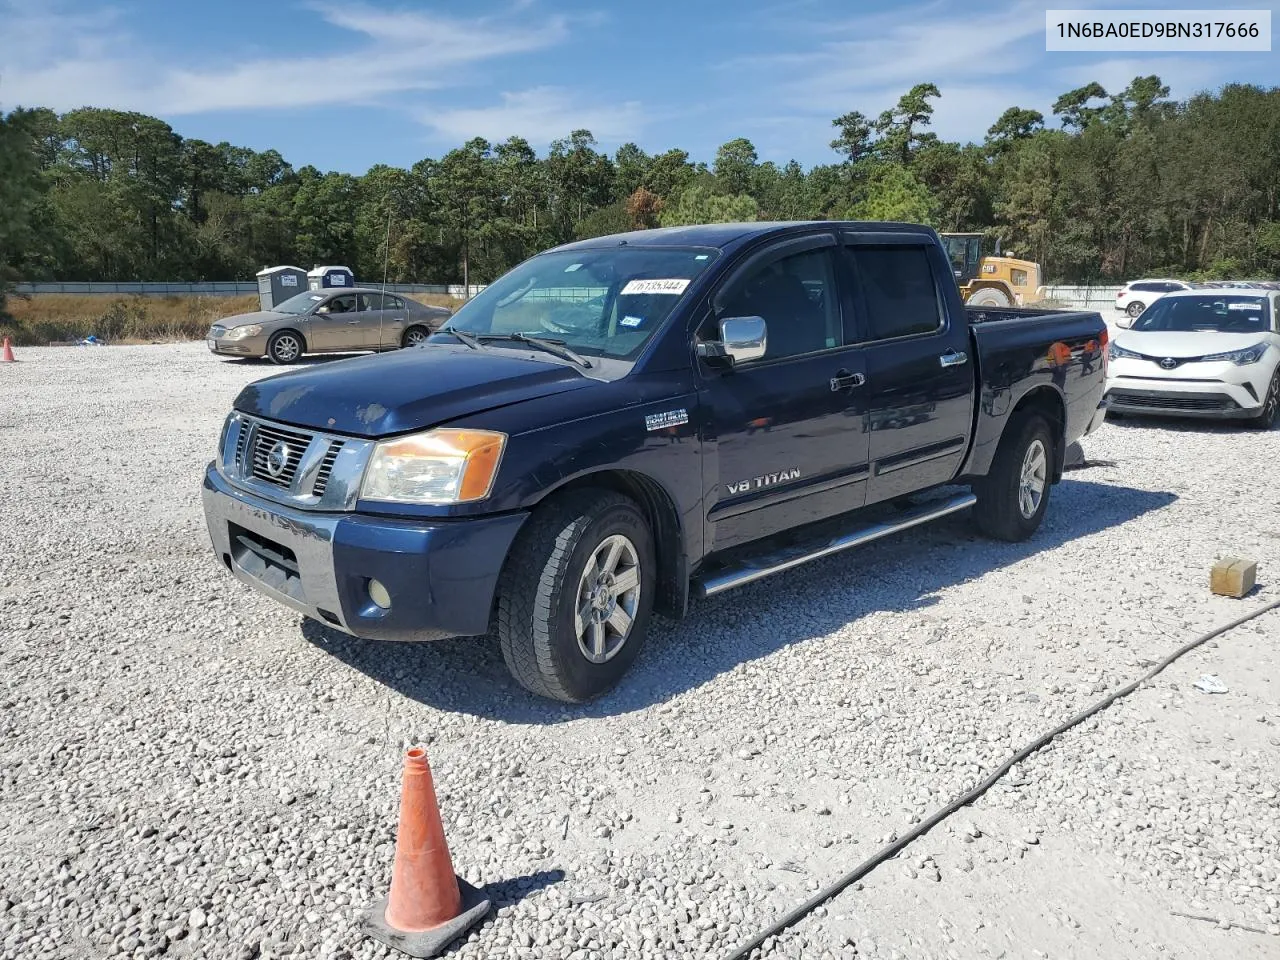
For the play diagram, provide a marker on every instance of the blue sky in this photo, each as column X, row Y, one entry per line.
column 344, row 85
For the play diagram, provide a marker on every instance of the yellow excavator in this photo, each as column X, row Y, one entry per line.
column 991, row 281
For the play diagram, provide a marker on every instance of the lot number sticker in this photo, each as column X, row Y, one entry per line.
column 655, row 286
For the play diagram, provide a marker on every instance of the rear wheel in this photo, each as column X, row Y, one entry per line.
column 575, row 598
column 1013, row 496
column 1134, row 310
column 1270, row 406
column 414, row 337
column 285, row 347
column 988, row 297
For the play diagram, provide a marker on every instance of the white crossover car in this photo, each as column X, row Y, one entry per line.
column 1137, row 295
column 1200, row 353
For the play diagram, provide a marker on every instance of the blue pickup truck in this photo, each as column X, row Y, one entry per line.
column 619, row 424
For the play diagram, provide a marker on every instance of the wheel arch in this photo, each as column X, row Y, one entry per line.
column 1046, row 401
column 291, row 329
column 664, row 521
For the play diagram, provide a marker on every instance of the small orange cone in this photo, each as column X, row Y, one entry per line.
column 8, row 352
column 429, row 906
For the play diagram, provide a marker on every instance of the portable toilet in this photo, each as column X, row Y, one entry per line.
column 321, row 278
column 278, row 284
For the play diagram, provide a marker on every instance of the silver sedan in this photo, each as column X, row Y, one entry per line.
column 327, row 321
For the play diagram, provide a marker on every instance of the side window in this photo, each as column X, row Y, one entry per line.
column 1019, row 277
column 344, row 304
column 370, row 301
column 796, row 297
column 392, row 303
column 898, row 289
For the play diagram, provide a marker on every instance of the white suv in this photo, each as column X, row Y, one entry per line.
column 1136, row 296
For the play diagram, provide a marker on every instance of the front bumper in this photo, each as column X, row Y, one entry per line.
column 441, row 575
column 1213, row 390
column 248, row 347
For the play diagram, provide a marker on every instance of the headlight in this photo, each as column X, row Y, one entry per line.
column 249, row 330
column 1247, row 355
column 1120, row 353
column 438, row 466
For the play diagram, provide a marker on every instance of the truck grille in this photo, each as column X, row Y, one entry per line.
column 326, row 468
column 276, row 454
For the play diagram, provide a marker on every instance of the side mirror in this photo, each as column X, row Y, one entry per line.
column 741, row 339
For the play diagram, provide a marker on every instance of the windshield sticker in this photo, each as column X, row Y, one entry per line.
column 631, row 321
column 702, row 256
column 1244, row 306
column 572, row 267
column 655, row 286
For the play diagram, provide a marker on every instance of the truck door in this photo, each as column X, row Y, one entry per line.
column 785, row 433
column 920, row 375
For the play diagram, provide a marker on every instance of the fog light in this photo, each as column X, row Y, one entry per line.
column 378, row 594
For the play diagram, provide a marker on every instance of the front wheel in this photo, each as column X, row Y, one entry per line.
column 285, row 347
column 1013, row 496
column 1270, row 406
column 575, row 598
column 988, row 297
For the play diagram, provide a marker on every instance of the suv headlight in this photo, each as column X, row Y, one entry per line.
column 1240, row 357
column 436, row 467
column 1120, row 353
column 248, row 330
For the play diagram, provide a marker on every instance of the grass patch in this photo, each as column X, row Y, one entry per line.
column 58, row 317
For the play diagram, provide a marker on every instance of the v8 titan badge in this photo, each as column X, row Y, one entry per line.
column 668, row 418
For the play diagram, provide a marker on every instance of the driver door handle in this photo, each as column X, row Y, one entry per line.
column 844, row 380
column 353, row 323
column 953, row 358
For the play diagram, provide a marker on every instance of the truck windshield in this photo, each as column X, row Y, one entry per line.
column 606, row 302
column 1231, row 313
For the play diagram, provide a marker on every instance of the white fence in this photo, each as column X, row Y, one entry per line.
column 1084, row 298
column 227, row 288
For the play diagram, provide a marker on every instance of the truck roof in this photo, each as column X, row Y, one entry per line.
column 725, row 236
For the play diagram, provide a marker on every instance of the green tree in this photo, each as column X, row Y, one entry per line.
column 893, row 193
column 699, row 204
column 735, row 166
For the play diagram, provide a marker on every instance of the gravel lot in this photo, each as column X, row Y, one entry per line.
column 187, row 769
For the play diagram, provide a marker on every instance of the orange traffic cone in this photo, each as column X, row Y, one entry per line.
column 429, row 906
column 8, row 352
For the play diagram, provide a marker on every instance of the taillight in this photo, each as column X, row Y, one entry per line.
column 1104, row 341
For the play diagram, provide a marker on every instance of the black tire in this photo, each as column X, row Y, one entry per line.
column 1134, row 310
column 539, row 590
column 286, row 347
column 1000, row 511
column 414, row 336
column 1270, row 405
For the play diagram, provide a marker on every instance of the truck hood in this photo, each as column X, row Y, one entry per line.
column 1192, row 343
column 411, row 389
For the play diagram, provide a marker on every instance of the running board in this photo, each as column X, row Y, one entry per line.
column 771, row 563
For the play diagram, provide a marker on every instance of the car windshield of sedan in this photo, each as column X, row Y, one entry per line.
column 603, row 302
column 1233, row 313
column 298, row 304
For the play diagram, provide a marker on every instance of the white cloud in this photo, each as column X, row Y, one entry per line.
column 70, row 59
column 539, row 114
column 982, row 63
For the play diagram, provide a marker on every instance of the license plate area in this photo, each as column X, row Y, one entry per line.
column 275, row 564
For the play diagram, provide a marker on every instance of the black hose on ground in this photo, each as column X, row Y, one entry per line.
column 893, row 849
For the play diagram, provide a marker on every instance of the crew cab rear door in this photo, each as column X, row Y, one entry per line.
column 920, row 373
column 786, row 438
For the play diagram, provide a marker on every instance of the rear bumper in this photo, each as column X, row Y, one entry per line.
column 441, row 576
